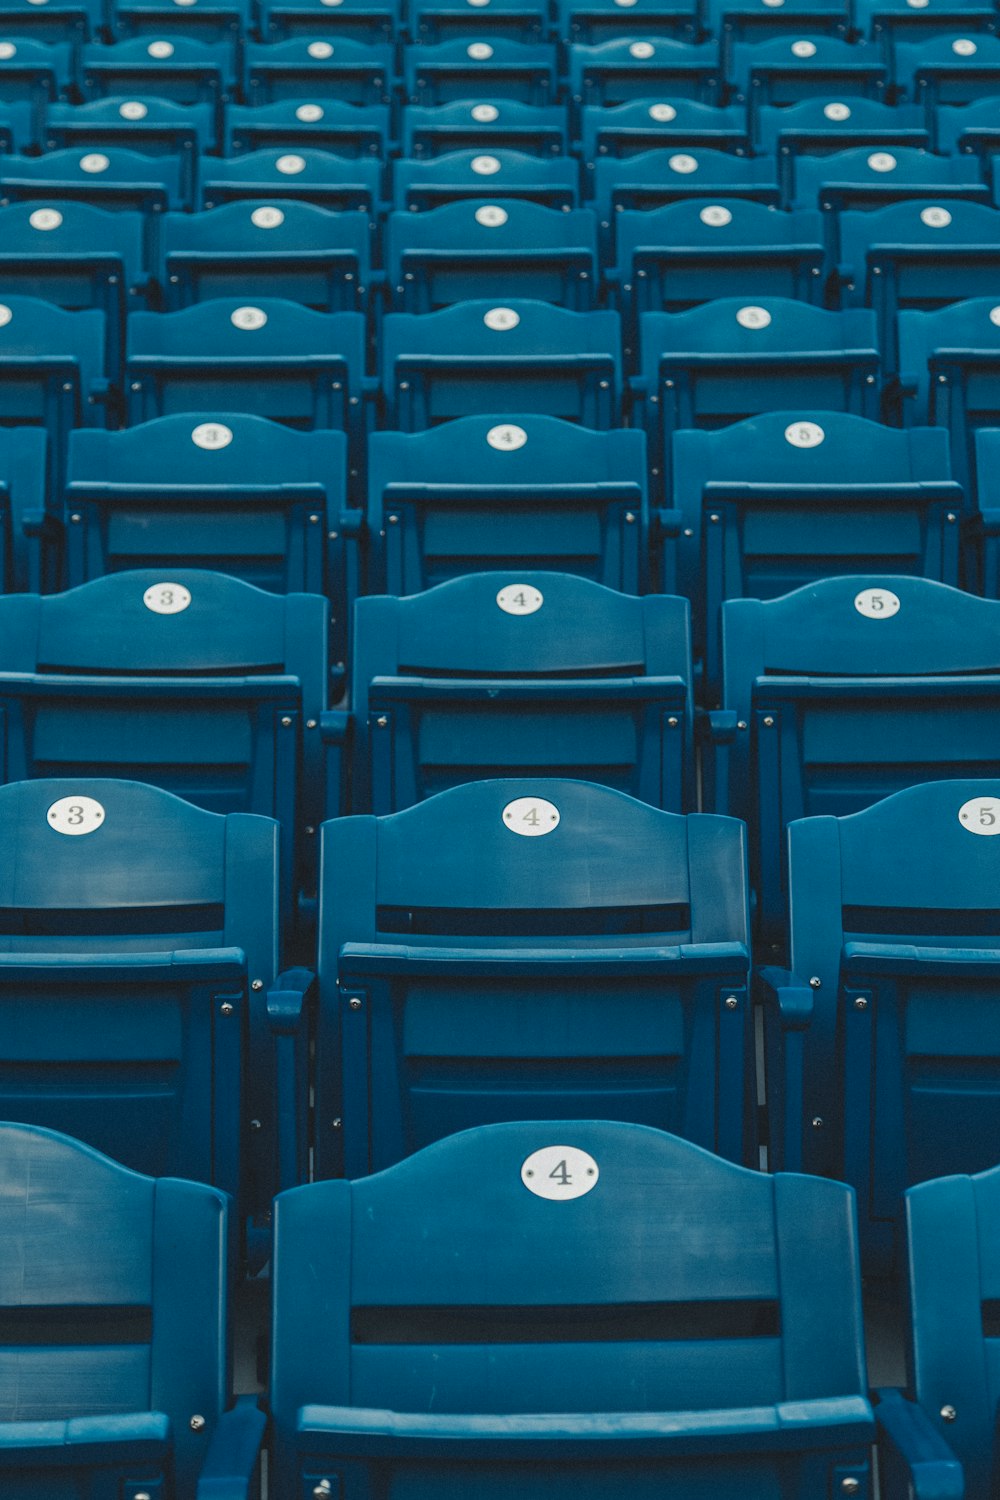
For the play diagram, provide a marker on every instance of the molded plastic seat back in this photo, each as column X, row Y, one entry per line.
column 434, row 130
column 456, row 175
column 346, row 130
column 320, row 177
column 499, row 68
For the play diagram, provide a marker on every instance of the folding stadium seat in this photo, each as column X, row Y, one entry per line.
column 349, row 72
column 137, row 987
column 356, row 20
column 328, row 181
column 715, row 364
column 228, row 491
column 526, row 493
column 203, row 20
column 914, row 662
column 818, row 127
column 344, row 129
column 619, row 71
column 52, row 371
column 949, row 374
column 445, row 20
column 25, row 509
column 201, row 685
column 185, row 71
column 785, row 72
column 116, row 1313
column 894, row 21
column 520, row 674
column 154, row 127
column 627, row 129
column 951, row 1334
column 461, row 175
column 463, row 126
column 298, row 252
column 983, row 529
column 466, row 250
column 700, row 1323
column 948, row 70
column 654, row 178
column 500, row 69
column 971, row 129
column 753, row 21
column 275, row 359
column 17, row 127
column 115, row 179
column 34, row 74
column 676, row 257
column 596, row 21
column 882, row 1032
column 69, row 21
column 78, row 257
column 478, row 357
column 561, row 974
column 772, row 503
column 865, row 179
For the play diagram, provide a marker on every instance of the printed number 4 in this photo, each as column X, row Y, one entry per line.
column 561, row 1175
column 531, row 817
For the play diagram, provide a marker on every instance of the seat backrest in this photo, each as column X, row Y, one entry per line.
column 866, row 175
column 499, row 171
column 114, row 177
column 347, row 130
column 675, row 1281
column 642, row 125
column 114, row 1293
column 430, row 131
column 327, row 180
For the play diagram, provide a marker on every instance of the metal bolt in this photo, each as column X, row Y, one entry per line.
column 948, row 1413
column 314, row 520
column 861, row 1003
column 354, row 1003
column 768, row 722
column 322, row 1490
column 336, row 1124
column 731, row 1002
column 257, row 984
column 849, row 1485
column 673, row 723
column 67, row 385
column 393, row 520
column 254, row 1124
column 688, row 531
column 815, row 982
column 286, row 722
column 630, row 517
column 197, row 1423
column 817, row 1123
column 741, row 723
column 714, row 519
column 76, row 518
column 951, row 516
column 310, row 830
column 382, row 721
column 141, row 1495
column 310, row 723
column 225, row 1009
column 332, row 536
column 136, row 385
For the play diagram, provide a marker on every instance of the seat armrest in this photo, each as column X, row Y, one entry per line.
column 288, row 1018
column 230, row 1468
column 718, row 725
column 784, row 991
column 914, row 1459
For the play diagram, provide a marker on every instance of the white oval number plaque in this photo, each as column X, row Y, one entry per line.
column 166, row 598
column 981, row 815
column 531, row 817
column 559, row 1173
column 75, row 815
column 877, row 604
column 519, row 599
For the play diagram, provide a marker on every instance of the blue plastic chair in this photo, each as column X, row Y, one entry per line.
column 479, row 357
column 863, row 178
column 953, row 69
column 458, row 175
column 219, row 490
column 519, row 674
column 79, row 257
column 643, row 125
column 295, row 251
column 649, row 68
column 850, row 689
column 345, row 70
column 358, row 20
column 787, row 70
column 500, row 69
column 52, row 370
column 114, row 179
column 339, row 183
column 17, row 127
column 971, row 129
column 819, row 127
column 176, row 68
column 142, row 1008
column 653, row 179
column 344, row 129
column 28, row 514
column 116, row 1306
column 523, row 492
column 34, row 74
column 206, row 21
column 716, row 364
column 153, row 127
column 735, row 21
column 951, row 1342
column 596, row 21
column 69, row 21
column 894, row 21
column 883, row 1061
column 191, row 681
column 491, row 249
column 534, row 129
column 684, row 1326
column 949, row 374
column 431, row 21
column 586, row 966
column 274, row 359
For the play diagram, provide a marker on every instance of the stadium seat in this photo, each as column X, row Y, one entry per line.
column 535, row 129
column 948, row 70
column 520, row 674
column 818, row 127
column 69, row 21
column 752, row 21
column 117, row 1326
column 431, row 21
column 949, row 374
column 559, row 974
column 344, row 70
column 225, row 491
column 275, row 359
column 501, row 69
column 468, row 250
column 205, row 21
column 861, row 178
column 418, row 184
column 882, row 1030
column 525, row 493
column 715, row 364
column 770, row 504
column 17, row 127
column 295, row 251
column 971, row 129
column 596, row 21
column 179, row 69
column 479, row 357
column 319, row 177
column 357, row 20
column 951, row 1333
column 784, row 71
column 138, row 928
column 684, row 1327
column 27, row 508
column 191, row 681
column 34, row 74
column 345, row 129
column 983, row 530
column 153, row 127
column 893, row 21
column 52, row 370
column 114, row 179
column 627, row 129
column 914, row 662
column 78, row 257
column 620, row 71
column 655, row 178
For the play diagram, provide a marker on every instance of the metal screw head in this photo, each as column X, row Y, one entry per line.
column 630, row 517
column 741, row 724
column 225, row 1009
column 382, row 721
column 768, row 722
column 322, row 1490
column 849, row 1485
column 257, row 984
column 948, row 1414
column 197, row 1423
column 336, row 1124
column 354, row 1003
column 310, row 723
column 393, row 520
column 731, row 1002
column 285, row 722
column 815, row 982
column 861, row 1003
column 714, row 519
column 76, row 518
column 254, row 1124
column 673, row 723
column 817, row 1123
column 141, row 1495
column 951, row 516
